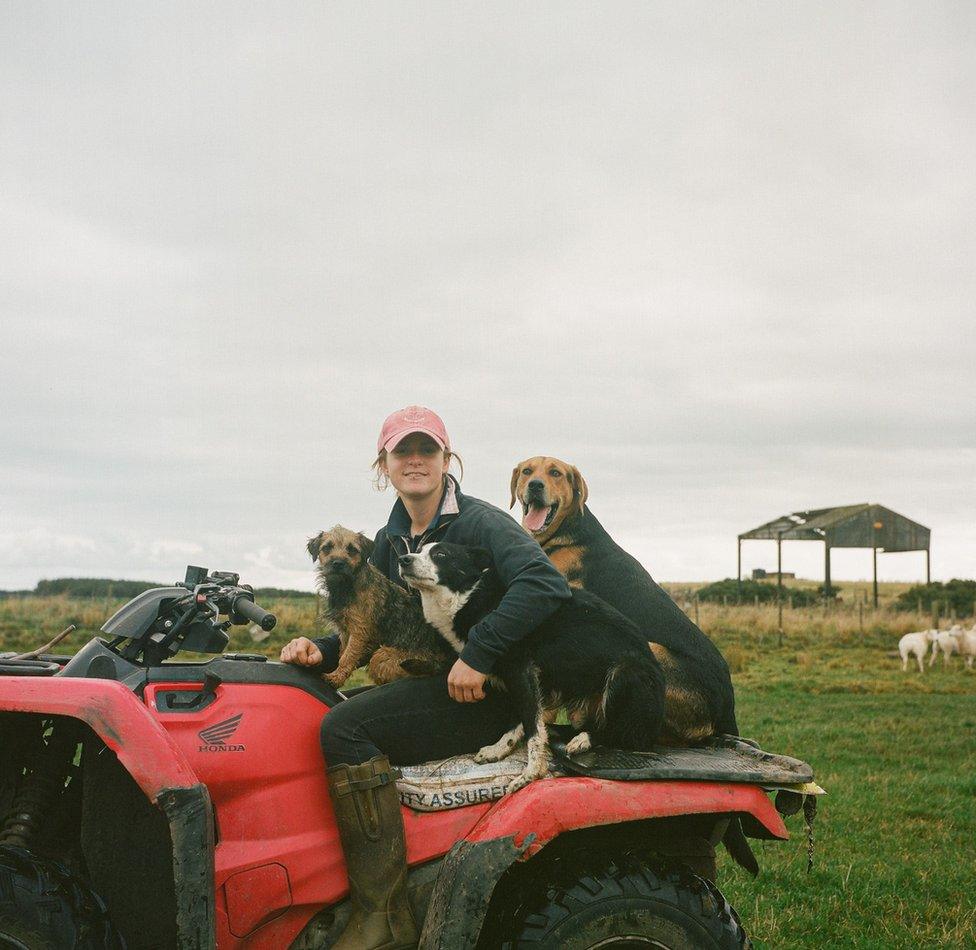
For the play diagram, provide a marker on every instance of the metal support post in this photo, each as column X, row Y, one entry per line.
column 827, row 584
column 779, row 584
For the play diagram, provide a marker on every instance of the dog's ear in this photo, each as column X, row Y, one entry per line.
column 366, row 546
column 579, row 486
column 515, row 478
column 315, row 545
column 481, row 558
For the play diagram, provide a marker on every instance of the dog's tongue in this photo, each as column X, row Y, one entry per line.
column 535, row 518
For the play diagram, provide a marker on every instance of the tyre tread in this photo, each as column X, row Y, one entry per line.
column 44, row 894
column 602, row 877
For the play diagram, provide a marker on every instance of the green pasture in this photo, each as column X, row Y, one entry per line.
column 895, row 860
column 895, row 837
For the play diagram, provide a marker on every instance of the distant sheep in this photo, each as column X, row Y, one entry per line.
column 948, row 642
column 967, row 645
column 916, row 643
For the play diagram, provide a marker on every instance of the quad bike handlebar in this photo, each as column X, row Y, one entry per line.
column 244, row 606
column 158, row 623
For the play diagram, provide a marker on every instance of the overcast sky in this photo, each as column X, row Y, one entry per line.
column 719, row 256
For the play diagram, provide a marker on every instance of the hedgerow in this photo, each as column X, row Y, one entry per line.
column 957, row 595
column 732, row 591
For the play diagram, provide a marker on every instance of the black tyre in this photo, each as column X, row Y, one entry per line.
column 625, row 903
column 16, row 935
column 44, row 907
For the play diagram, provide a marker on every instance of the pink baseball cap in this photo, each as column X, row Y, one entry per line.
column 411, row 419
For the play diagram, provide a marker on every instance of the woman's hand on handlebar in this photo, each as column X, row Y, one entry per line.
column 302, row 652
column 465, row 684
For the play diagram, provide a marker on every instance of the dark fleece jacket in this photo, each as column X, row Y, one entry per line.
column 533, row 587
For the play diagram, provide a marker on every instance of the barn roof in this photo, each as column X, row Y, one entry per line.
column 847, row 526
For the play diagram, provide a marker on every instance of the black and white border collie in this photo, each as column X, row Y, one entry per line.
column 586, row 657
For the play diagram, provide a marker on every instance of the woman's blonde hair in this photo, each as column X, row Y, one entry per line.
column 381, row 480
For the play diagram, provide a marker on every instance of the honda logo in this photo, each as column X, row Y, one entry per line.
column 215, row 737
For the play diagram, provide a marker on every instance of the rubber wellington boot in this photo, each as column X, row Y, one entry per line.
column 367, row 810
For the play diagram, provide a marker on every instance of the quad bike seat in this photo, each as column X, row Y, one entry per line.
column 459, row 780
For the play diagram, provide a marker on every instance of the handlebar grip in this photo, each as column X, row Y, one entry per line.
column 246, row 607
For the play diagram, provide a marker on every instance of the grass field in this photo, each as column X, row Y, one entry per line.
column 895, row 858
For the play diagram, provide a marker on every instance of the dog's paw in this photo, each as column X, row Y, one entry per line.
column 501, row 749
column 336, row 679
column 579, row 743
column 494, row 753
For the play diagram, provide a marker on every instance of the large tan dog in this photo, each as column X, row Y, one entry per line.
column 699, row 701
column 553, row 496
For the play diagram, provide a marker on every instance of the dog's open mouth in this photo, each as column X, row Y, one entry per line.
column 536, row 517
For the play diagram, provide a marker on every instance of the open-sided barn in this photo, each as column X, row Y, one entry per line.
column 847, row 526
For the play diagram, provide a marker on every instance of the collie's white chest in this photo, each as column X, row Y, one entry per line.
column 440, row 609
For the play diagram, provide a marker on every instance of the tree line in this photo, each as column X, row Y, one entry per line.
column 104, row 587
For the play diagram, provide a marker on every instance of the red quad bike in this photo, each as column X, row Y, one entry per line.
column 152, row 802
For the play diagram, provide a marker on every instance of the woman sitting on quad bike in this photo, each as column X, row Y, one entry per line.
column 419, row 719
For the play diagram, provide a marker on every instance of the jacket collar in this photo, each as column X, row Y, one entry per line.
column 447, row 511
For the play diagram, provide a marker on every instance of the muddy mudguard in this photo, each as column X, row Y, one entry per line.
column 463, row 891
column 191, row 827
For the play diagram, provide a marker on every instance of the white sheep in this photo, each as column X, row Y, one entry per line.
column 948, row 642
column 967, row 645
column 916, row 643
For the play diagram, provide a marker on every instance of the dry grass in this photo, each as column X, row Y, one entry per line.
column 805, row 625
